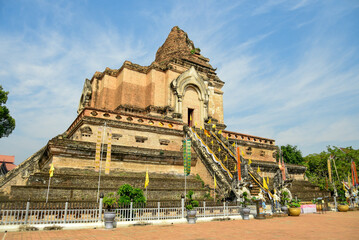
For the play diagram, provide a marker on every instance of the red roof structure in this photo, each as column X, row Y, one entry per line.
column 9, row 161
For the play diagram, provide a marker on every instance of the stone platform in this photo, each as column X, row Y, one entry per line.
column 76, row 184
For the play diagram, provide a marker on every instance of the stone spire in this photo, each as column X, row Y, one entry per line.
column 179, row 46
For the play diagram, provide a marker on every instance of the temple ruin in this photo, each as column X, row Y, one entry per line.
column 149, row 110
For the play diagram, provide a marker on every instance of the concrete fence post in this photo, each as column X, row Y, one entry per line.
column 224, row 209
column 182, row 207
column 65, row 214
column 100, row 209
column 27, row 211
column 131, row 208
column 158, row 210
column 204, row 209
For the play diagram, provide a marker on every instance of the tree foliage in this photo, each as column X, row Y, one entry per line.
column 126, row 193
column 317, row 166
column 291, row 154
column 7, row 123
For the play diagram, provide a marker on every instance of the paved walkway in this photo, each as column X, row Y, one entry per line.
column 309, row 226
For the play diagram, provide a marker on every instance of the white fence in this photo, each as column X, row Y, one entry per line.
column 54, row 214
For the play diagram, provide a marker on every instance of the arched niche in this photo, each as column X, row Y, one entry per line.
column 192, row 83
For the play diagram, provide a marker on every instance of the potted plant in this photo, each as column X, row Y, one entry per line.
column 109, row 202
column 245, row 202
column 317, row 203
column 283, row 201
column 343, row 204
column 127, row 194
column 294, row 208
column 191, row 211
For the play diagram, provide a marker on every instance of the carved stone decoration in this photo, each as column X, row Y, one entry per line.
column 116, row 136
column 86, row 130
column 141, row 139
column 85, row 96
column 190, row 78
column 164, row 142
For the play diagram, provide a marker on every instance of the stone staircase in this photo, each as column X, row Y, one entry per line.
column 81, row 185
column 223, row 152
column 306, row 191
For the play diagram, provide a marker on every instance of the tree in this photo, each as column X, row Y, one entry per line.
column 128, row 194
column 292, row 155
column 317, row 166
column 7, row 123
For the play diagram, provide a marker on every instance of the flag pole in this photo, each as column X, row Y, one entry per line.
column 185, row 173
column 99, row 174
column 48, row 189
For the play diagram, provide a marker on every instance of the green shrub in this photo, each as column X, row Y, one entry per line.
column 245, row 200
column 284, row 198
column 294, row 203
column 127, row 193
column 191, row 203
column 110, row 200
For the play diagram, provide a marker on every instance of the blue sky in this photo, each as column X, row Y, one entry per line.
column 291, row 67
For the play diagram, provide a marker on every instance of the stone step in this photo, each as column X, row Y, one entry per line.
column 66, row 180
column 3, row 197
column 113, row 173
column 307, row 192
column 38, row 193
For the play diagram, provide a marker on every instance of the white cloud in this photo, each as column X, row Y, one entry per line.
column 302, row 99
column 45, row 78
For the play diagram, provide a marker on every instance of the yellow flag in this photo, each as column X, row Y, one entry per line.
column 200, row 128
column 233, row 144
column 258, row 170
column 220, row 132
column 209, row 121
column 349, row 181
column 147, row 180
column 190, row 117
column 235, row 168
column 249, row 162
column 215, row 182
column 225, row 159
column 214, row 126
column 212, row 142
column 195, row 124
column 52, row 170
column 264, row 183
column 227, row 137
column 267, row 179
column 219, row 149
column 242, row 153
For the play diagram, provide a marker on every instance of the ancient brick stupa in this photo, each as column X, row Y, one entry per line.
column 148, row 111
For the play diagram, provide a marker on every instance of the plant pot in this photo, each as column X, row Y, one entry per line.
column 284, row 209
column 191, row 216
column 294, row 211
column 109, row 218
column 343, row 208
column 246, row 212
column 319, row 207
